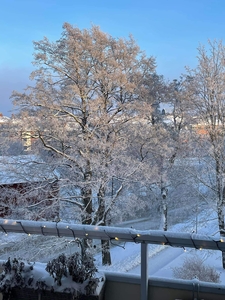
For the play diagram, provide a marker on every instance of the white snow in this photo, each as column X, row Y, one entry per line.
column 126, row 257
column 23, row 169
column 67, row 282
column 162, row 259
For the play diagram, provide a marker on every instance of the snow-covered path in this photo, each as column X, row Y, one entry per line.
column 162, row 259
column 160, row 263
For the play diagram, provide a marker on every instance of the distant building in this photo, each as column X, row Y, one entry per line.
column 27, row 188
column 3, row 119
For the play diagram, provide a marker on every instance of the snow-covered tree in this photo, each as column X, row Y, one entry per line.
column 88, row 89
column 206, row 84
column 171, row 130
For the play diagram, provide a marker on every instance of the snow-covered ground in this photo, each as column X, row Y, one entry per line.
column 125, row 257
column 162, row 259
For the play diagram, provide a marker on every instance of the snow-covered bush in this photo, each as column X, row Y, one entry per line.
column 57, row 268
column 78, row 267
column 81, row 268
column 16, row 273
column 194, row 267
column 70, row 274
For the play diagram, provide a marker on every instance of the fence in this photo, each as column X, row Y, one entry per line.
column 182, row 240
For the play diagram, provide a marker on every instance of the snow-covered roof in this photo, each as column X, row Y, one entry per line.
column 23, row 168
column 4, row 119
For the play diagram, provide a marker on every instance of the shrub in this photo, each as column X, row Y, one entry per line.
column 57, row 268
column 73, row 274
column 78, row 267
column 16, row 273
column 194, row 267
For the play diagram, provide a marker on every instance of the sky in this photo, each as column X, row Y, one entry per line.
column 169, row 30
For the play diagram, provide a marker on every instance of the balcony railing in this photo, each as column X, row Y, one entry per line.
column 124, row 286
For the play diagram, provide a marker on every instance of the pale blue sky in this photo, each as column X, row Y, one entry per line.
column 170, row 30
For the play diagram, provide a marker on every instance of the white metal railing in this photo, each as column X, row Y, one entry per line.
column 145, row 237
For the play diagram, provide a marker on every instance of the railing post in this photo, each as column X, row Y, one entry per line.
column 144, row 271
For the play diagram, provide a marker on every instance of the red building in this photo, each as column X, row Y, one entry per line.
column 28, row 189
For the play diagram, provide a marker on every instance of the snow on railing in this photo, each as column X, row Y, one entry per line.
column 145, row 237
column 173, row 239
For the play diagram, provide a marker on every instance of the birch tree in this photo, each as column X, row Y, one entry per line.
column 206, row 85
column 171, row 141
column 88, row 86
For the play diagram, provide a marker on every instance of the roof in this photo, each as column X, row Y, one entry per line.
column 23, row 169
column 4, row 119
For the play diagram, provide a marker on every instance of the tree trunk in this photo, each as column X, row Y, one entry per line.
column 106, row 256
column 164, row 217
column 86, row 194
column 87, row 202
column 220, row 198
column 164, row 208
column 220, row 215
column 221, row 228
